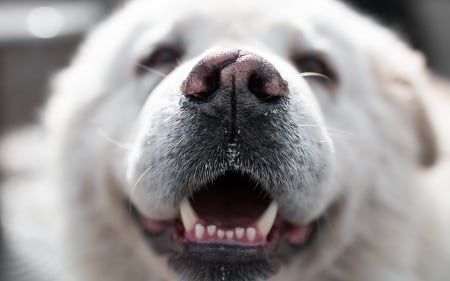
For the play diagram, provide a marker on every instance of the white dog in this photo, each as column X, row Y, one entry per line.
column 249, row 140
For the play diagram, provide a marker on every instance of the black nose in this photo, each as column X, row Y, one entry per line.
column 244, row 71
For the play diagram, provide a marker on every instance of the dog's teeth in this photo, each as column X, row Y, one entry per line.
column 220, row 234
column 211, row 229
column 199, row 231
column 188, row 215
column 229, row 234
column 239, row 232
column 266, row 221
column 251, row 234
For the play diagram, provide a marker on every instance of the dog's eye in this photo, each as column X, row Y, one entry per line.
column 313, row 66
column 162, row 56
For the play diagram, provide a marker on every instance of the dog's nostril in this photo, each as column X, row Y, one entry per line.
column 261, row 87
column 256, row 86
column 202, row 85
column 204, row 79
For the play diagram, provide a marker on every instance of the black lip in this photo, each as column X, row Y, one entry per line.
column 224, row 262
column 220, row 253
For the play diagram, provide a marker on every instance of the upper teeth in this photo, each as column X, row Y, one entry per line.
column 188, row 215
column 263, row 225
column 266, row 221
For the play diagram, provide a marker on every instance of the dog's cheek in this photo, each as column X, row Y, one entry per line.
column 407, row 84
column 406, row 91
column 113, row 123
column 416, row 113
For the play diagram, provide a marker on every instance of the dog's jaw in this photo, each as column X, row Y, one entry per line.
column 211, row 234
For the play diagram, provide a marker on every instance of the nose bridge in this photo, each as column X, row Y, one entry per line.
column 242, row 64
column 238, row 42
column 221, row 59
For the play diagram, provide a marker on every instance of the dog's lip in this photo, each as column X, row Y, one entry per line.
column 231, row 210
column 154, row 226
column 294, row 234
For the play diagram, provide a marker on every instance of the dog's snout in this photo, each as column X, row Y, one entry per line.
column 235, row 69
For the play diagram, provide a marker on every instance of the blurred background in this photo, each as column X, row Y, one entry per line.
column 37, row 38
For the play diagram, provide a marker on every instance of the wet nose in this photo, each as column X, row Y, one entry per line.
column 244, row 71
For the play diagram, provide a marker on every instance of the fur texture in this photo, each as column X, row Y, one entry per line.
column 360, row 151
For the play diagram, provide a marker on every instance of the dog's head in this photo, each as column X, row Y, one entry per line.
column 251, row 130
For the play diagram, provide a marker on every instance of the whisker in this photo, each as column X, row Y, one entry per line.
column 314, row 74
column 152, row 70
column 112, row 141
column 306, row 126
column 332, row 131
column 134, row 187
column 338, row 131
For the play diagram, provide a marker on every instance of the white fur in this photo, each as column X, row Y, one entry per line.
column 387, row 217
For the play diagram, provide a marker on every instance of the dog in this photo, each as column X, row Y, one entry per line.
column 248, row 141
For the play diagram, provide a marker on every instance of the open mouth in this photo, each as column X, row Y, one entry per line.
column 231, row 211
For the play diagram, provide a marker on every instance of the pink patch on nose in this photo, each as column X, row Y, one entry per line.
column 195, row 85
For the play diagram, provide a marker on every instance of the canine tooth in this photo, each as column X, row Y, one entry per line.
column 188, row 215
column 229, row 234
column 220, row 233
column 251, row 234
column 266, row 221
column 239, row 232
column 199, row 231
column 211, row 229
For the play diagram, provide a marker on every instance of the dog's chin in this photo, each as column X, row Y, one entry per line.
column 224, row 262
column 227, row 230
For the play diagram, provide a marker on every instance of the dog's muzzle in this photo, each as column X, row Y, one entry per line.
column 233, row 160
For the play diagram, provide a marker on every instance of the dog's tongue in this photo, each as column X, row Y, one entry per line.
column 230, row 201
